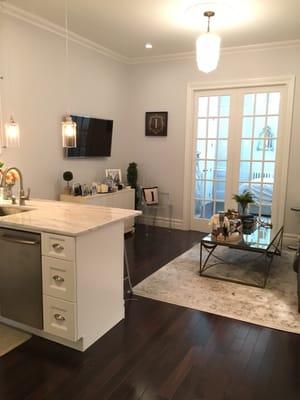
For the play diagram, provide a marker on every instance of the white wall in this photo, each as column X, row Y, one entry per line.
column 34, row 89
column 33, row 63
column 162, row 86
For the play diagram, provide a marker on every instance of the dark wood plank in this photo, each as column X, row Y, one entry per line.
column 161, row 351
column 151, row 248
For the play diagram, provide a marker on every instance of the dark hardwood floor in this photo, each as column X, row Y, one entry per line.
column 160, row 351
column 151, row 248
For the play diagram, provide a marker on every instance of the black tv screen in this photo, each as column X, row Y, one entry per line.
column 94, row 137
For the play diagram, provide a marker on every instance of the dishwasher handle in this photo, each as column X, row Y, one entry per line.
column 15, row 239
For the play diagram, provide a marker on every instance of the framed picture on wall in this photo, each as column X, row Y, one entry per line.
column 157, row 123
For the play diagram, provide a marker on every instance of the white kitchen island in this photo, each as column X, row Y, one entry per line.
column 82, row 259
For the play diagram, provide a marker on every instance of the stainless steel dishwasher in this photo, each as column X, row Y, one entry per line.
column 21, row 277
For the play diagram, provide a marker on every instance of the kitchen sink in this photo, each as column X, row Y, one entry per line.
column 6, row 210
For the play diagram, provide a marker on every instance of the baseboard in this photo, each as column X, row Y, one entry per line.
column 290, row 239
column 162, row 222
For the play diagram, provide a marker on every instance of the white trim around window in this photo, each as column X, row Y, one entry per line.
column 289, row 83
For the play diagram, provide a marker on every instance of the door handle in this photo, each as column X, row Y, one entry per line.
column 15, row 239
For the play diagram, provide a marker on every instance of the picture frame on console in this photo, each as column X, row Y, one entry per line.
column 115, row 175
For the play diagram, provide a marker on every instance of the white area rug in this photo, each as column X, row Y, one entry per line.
column 275, row 306
column 11, row 338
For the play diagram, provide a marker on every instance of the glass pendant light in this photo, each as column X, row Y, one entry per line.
column 12, row 133
column 10, row 130
column 69, row 132
column 208, row 48
column 69, row 127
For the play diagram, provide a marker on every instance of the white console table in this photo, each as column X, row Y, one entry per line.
column 124, row 198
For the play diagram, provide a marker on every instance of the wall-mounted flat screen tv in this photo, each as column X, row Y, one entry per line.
column 94, row 138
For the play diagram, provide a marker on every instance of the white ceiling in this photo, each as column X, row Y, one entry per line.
column 124, row 26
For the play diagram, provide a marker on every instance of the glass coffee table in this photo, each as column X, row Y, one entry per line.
column 265, row 242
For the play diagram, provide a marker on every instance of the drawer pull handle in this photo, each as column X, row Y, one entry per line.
column 58, row 247
column 58, row 278
column 59, row 317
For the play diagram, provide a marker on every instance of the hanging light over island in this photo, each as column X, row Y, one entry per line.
column 208, row 48
column 12, row 133
column 69, row 132
column 68, row 125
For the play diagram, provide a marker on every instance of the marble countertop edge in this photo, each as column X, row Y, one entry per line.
column 69, row 219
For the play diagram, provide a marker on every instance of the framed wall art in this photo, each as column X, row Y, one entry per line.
column 157, row 123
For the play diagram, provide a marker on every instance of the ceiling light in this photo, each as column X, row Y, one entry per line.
column 230, row 14
column 68, row 125
column 208, row 48
column 148, row 46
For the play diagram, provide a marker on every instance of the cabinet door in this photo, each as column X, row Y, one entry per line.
column 102, row 200
column 58, row 246
column 59, row 278
column 124, row 199
column 60, row 318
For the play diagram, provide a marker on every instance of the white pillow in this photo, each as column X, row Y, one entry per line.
column 150, row 195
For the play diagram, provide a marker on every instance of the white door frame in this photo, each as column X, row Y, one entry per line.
column 289, row 83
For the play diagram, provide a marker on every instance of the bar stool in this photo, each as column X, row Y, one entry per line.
column 127, row 276
column 296, row 209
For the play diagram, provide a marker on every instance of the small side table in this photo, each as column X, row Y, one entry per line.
column 296, row 209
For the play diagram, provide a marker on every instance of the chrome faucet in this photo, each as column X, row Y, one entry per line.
column 3, row 184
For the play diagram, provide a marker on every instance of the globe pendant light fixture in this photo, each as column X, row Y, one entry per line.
column 69, row 130
column 12, row 133
column 208, row 48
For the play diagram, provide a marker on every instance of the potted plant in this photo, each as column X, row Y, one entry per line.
column 243, row 200
column 132, row 177
column 68, row 176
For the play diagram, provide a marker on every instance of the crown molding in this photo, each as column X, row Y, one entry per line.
column 46, row 25
column 224, row 50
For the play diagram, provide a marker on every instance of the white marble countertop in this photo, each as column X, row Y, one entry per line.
column 62, row 218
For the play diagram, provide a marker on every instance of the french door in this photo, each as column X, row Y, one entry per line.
column 236, row 147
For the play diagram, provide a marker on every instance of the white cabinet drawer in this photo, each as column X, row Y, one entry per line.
column 58, row 246
column 60, row 318
column 59, row 278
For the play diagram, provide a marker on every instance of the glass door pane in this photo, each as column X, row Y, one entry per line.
column 211, row 155
column 258, row 149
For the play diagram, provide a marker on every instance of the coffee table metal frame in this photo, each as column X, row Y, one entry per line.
column 268, row 253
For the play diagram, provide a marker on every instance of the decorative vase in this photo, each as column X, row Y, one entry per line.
column 242, row 211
